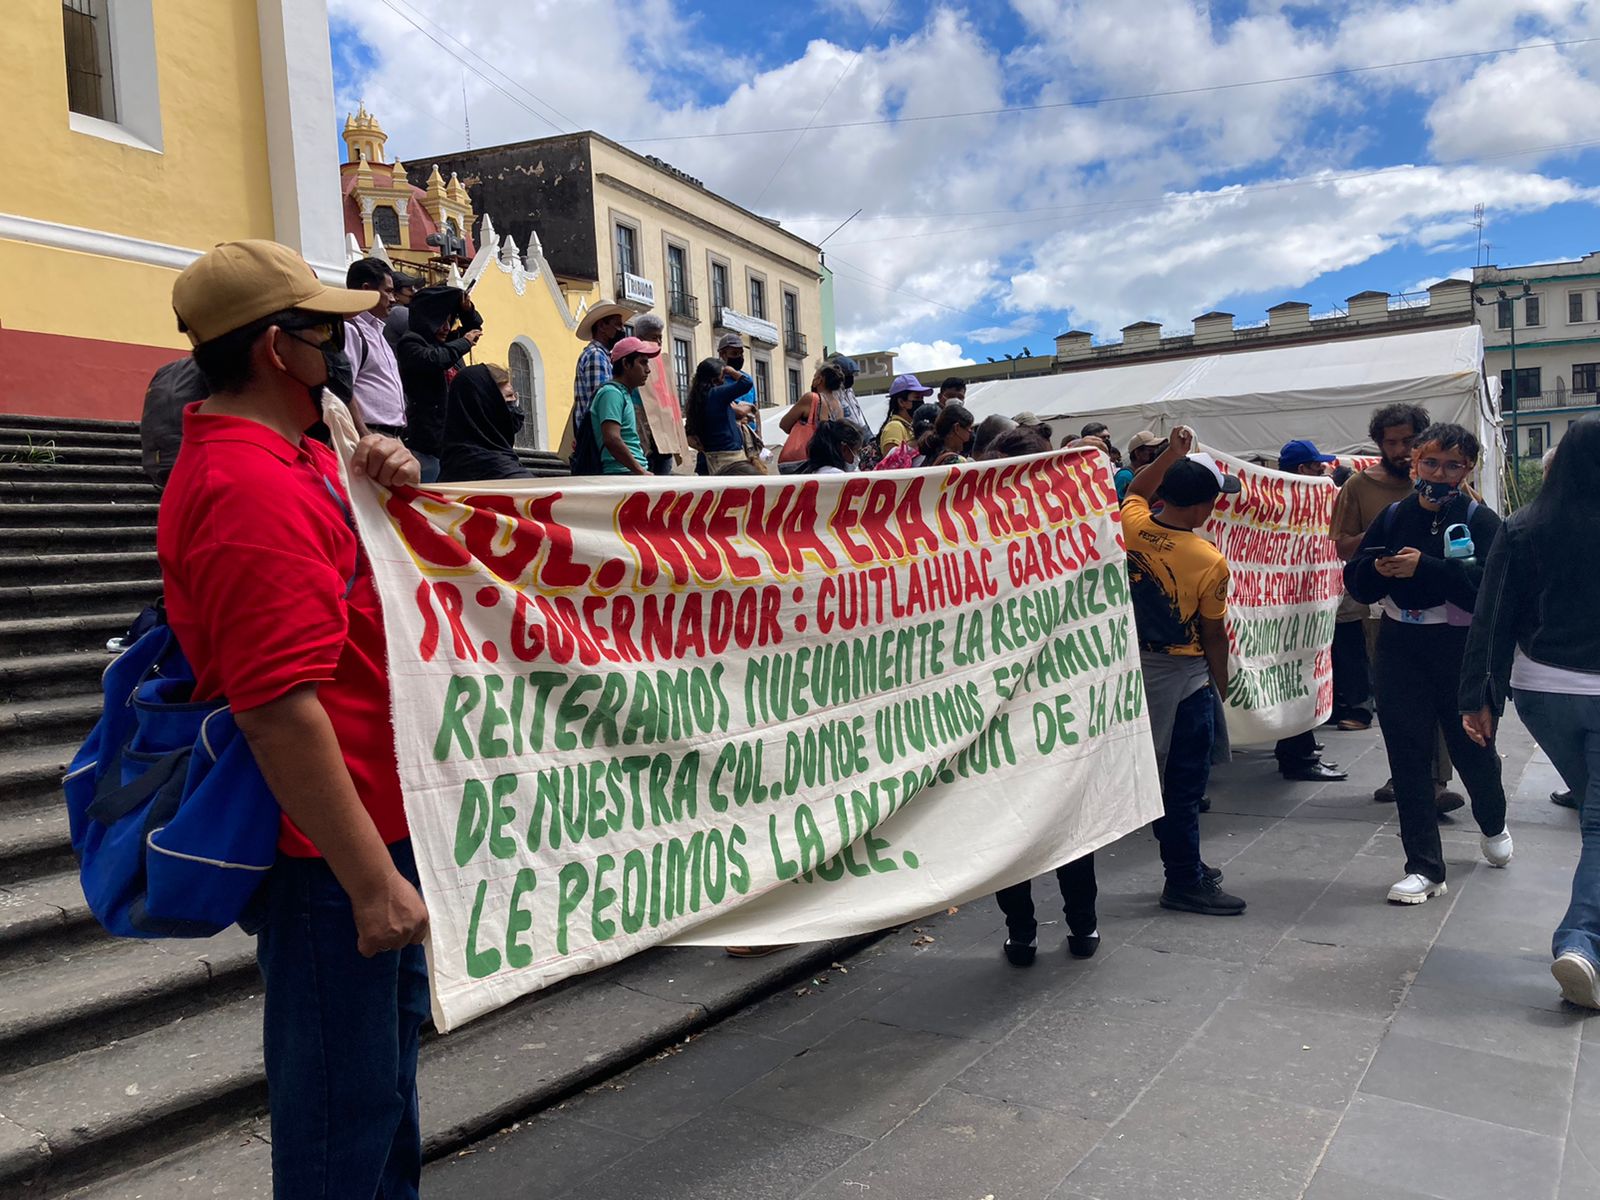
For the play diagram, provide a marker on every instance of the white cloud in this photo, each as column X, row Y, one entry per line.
column 925, row 356
column 952, row 228
column 1536, row 98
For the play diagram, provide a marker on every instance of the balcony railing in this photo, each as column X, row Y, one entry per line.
column 794, row 342
column 684, row 306
column 1545, row 401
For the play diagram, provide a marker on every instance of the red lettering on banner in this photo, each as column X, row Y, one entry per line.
column 426, row 542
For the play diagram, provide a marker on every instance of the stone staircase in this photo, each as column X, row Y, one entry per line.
column 117, row 1054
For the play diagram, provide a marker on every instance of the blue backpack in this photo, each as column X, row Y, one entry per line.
column 172, row 823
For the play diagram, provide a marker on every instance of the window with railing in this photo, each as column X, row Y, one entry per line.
column 91, row 88
column 1531, row 312
column 679, row 302
column 1502, row 314
column 1529, row 382
column 758, row 298
column 1584, row 377
column 794, row 387
column 1574, row 308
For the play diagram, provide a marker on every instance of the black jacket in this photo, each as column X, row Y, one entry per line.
column 1519, row 607
column 478, row 431
column 1438, row 580
column 424, row 360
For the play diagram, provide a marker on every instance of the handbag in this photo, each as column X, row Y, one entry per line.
column 797, row 446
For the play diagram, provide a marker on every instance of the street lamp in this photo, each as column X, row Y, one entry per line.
column 1510, row 310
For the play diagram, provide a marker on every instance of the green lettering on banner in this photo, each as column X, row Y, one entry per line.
column 519, row 920
column 472, row 821
column 500, row 845
column 460, row 698
column 604, row 898
column 480, row 963
column 571, row 888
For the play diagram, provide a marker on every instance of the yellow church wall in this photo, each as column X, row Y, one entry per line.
column 539, row 320
column 210, row 180
column 87, row 295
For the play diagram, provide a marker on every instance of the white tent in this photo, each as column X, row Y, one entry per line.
column 1250, row 402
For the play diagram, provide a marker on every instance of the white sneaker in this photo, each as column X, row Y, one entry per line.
column 1497, row 849
column 1580, row 983
column 1415, row 889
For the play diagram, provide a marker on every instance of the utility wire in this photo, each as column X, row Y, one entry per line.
column 1095, row 102
column 417, row 24
column 1220, row 194
column 855, row 56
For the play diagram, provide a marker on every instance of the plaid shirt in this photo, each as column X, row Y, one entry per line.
column 594, row 372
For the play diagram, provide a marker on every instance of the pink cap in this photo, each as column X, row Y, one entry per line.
column 633, row 345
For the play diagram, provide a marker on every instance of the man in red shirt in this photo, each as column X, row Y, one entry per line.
column 276, row 609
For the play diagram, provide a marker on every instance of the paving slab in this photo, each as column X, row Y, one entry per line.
column 729, row 1153
column 1388, row 1143
column 1296, row 1055
column 1136, row 983
column 961, row 1145
column 863, row 1080
column 1472, row 1083
column 1206, row 1142
column 1547, row 1036
column 553, row 1154
column 1084, row 1064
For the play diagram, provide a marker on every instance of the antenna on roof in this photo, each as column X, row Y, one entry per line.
column 1477, row 223
column 466, row 118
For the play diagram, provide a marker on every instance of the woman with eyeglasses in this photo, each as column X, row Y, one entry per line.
column 1421, row 563
column 1534, row 634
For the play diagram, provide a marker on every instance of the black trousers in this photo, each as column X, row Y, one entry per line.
column 1418, row 673
column 1297, row 751
column 1352, row 680
column 1078, row 895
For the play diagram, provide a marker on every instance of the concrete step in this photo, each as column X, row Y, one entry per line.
column 64, row 472
column 68, row 599
column 71, row 672
column 32, row 775
column 46, row 906
column 40, row 634
column 47, row 721
column 46, row 489
column 123, row 1102
column 24, row 450
column 133, row 1117
column 17, row 512
column 103, row 989
column 34, row 840
column 111, row 437
column 76, row 425
column 88, row 565
column 91, row 538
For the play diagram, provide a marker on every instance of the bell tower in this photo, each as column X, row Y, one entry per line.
column 364, row 138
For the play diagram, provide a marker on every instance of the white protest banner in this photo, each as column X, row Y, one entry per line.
column 744, row 711
column 1287, row 581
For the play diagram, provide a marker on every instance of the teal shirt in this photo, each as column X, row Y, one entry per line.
column 613, row 402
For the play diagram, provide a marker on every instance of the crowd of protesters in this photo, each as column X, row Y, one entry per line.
column 282, row 617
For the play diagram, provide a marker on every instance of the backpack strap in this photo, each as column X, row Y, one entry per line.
column 350, row 521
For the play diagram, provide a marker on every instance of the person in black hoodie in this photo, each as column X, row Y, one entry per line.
column 444, row 326
column 481, row 422
column 1534, row 632
column 1424, row 575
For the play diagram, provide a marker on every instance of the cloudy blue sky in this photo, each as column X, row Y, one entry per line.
column 1154, row 159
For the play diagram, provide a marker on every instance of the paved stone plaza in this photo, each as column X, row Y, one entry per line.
column 1325, row 1045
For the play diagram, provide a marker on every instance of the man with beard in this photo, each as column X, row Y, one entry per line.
column 1362, row 499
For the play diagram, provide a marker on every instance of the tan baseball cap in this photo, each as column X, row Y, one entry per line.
column 1144, row 438
column 238, row 283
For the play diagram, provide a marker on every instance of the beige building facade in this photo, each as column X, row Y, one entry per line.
column 617, row 226
column 1553, row 312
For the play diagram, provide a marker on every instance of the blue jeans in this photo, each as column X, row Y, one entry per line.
column 1567, row 728
column 341, row 1042
column 1184, row 786
column 430, row 466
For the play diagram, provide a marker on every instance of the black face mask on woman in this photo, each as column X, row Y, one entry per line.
column 1437, row 493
